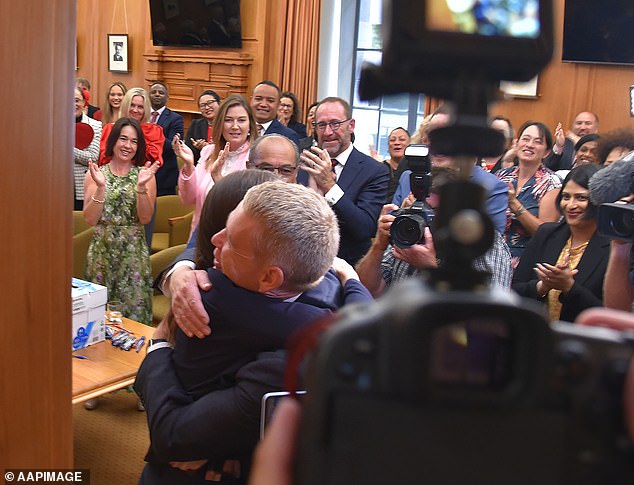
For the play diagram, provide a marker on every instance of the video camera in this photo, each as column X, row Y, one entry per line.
column 408, row 227
column 443, row 380
column 616, row 221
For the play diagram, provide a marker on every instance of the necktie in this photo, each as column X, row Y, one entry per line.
column 260, row 129
column 154, row 117
column 334, row 163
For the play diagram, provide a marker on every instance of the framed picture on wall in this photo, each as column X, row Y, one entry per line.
column 118, row 52
column 520, row 90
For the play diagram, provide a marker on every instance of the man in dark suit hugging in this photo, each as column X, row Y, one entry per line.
column 202, row 398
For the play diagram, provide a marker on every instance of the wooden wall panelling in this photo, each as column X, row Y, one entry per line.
column 565, row 89
column 187, row 75
column 36, row 428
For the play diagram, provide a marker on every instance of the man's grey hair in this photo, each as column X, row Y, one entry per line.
column 255, row 157
column 299, row 232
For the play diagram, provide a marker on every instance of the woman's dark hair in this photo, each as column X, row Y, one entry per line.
column 209, row 92
column 295, row 114
column 581, row 175
column 139, row 156
column 544, row 132
column 221, row 200
column 620, row 137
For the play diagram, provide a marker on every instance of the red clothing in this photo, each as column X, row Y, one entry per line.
column 154, row 139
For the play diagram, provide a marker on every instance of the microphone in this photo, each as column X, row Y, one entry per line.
column 613, row 182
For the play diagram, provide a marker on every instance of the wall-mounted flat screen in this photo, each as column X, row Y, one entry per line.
column 196, row 23
column 599, row 32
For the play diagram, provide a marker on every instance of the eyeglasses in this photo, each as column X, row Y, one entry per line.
column 208, row 104
column 283, row 170
column 334, row 125
column 286, row 106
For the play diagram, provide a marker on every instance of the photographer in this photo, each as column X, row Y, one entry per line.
column 614, row 184
column 497, row 192
column 385, row 264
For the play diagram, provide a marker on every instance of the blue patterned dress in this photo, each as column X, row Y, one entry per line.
column 118, row 256
column 530, row 196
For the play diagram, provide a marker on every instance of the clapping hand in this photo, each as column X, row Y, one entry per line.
column 216, row 167
column 96, row 174
column 560, row 137
column 318, row 164
column 182, row 151
column 556, row 277
column 147, row 173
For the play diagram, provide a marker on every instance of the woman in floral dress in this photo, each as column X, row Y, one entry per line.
column 119, row 199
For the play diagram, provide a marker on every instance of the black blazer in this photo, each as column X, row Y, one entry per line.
column 197, row 130
column 167, row 176
column 545, row 247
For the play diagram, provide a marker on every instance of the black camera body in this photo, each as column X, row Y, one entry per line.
column 616, row 221
column 461, row 387
column 409, row 224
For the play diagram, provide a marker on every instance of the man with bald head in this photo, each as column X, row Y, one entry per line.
column 275, row 153
column 562, row 155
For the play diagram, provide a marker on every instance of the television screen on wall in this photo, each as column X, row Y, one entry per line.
column 196, row 23
column 599, row 32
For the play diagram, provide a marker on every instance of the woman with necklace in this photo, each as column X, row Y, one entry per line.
column 119, row 199
column 233, row 132
column 532, row 188
column 565, row 262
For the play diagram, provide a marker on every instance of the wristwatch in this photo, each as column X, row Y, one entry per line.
column 157, row 343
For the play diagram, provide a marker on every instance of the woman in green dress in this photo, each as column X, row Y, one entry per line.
column 119, row 198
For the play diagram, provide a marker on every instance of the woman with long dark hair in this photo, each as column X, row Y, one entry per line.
column 565, row 262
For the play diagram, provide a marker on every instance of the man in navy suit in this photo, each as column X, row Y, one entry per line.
column 357, row 189
column 172, row 123
column 265, row 101
column 277, row 269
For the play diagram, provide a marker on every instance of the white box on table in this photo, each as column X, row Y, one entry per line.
column 89, row 307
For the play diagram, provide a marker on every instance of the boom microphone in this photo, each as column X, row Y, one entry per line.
column 614, row 182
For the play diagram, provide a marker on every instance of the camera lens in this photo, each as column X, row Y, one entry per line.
column 623, row 224
column 407, row 230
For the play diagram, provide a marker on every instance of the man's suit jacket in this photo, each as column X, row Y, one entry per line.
column 167, row 176
column 280, row 129
column 197, row 130
column 364, row 182
column 222, row 423
column 563, row 161
column 545, row 247
column 244, row 323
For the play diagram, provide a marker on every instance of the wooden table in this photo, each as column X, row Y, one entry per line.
column 107, row 368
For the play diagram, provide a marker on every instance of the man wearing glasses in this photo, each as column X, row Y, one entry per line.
column 355, row 185
column 275, row 153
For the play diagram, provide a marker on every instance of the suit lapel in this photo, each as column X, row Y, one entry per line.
column 350, row 171
column 592, row 257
